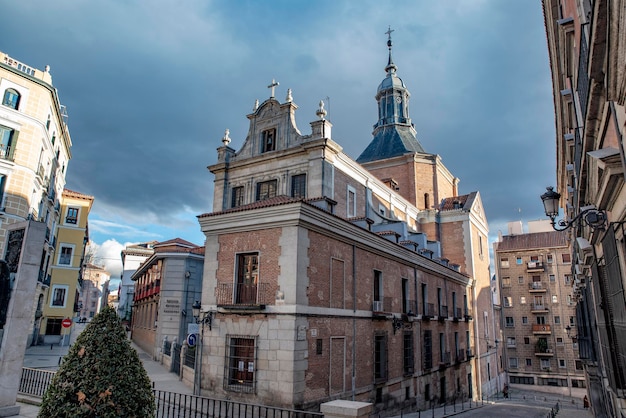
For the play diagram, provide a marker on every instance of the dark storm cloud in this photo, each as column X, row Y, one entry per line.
column 151, row 86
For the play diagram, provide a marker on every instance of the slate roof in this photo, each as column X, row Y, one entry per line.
column 391, row 141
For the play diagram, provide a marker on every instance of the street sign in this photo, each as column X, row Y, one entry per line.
column 66, row 323
column 193, row 328
column 191, row 340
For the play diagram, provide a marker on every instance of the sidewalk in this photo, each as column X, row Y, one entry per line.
column 43, row 357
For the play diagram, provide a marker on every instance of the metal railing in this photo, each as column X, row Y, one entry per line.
column 244, row 294
column 429, row 309
column 443, row 311
column 190, row 357
column 35, row 382
column 179, row 405
column 535, row 286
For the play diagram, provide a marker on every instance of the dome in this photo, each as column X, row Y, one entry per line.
column 391, row 81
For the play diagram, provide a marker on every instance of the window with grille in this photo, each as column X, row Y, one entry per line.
column 266, row 189
column 428, row 350
column 380, row 357
column 298, row 186
column 408, row 352
column 240, row 364
column 236, row 197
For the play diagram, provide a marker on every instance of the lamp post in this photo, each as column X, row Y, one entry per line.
column 201, row 318
column 589, row 215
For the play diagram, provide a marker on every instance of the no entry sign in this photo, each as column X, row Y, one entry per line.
column 66, row 323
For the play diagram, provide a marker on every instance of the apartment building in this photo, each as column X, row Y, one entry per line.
column 587, row 51
column 90, row 300
column 66, row 281
column 535, row 275
column 34, row 153
column 132, row 257
column 323, row 280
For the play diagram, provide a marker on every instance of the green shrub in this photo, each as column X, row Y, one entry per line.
column 101, row 376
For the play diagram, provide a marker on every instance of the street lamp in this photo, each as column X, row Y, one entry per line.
column 200, row 318
column 591, row 216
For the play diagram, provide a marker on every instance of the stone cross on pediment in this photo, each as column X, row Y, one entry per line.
column 273, row 86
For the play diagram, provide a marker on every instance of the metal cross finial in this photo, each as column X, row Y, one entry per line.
column 273, row 86
column 389, row 31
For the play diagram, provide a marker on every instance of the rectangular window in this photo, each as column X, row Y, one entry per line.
column 510, row 342
column 552, row 278
column 529, row 362
column 555, row 299
column 240, row 361
column 513, row 362
column 525, row 320
column 509, row 322
column 508, row 301
column 545, row 363
column 268, row 139
column 405, row 296
column 557, row 319
column 247, row 278
column 53, row 326
column 266, row 189
column 58, row 296
column 579, row 365
column 568, row 279
column 522, row 300
column 378, row 287
column 520, row 280
column 549, row 258
column 562, row 363
column 518, row 260
column 506, row 282
column 559, row 341
column 319, row 344
column 236, row 198
column 298, row 186
column 567, row 258
column 72, row 216
column 526, row 340
column 351, row 202
column 428, row 350
column 380, row 357
column 65, row 256
column 504, row 262
column 8, row 138
column 408, row 352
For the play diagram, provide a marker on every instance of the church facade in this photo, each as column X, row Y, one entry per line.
column 329, row 278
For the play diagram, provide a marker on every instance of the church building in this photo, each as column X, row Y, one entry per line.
column 329, row 278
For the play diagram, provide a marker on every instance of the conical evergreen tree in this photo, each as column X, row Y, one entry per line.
column 101, row 376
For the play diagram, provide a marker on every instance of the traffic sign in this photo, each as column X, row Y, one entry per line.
column 66, row 323
column 192, row 339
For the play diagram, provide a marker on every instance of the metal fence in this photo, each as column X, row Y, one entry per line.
column 35, row 382
column 178, row 405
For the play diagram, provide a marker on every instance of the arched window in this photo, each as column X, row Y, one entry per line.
column 11, row 98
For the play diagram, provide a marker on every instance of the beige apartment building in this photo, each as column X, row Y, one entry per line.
column 34, row 153
column 90, row 299
column 534, row 271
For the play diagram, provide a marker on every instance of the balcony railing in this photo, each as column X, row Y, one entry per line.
column 429, row 310
column 241, row 294
column 6, row 153
column 537, row 307
column 535, row 265
column 470, row 353
column 384, row 305
column 445, row 358
column 443, row 312
column 460, row 356
column 458, row 314
column 536, row 286
column 541, row 329
column 468, row 315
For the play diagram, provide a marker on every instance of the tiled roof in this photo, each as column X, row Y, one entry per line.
column 71, row 193
column 175, row 241
column 548, row 239
column 449, row 202
column 272, row 201
column 391, row 141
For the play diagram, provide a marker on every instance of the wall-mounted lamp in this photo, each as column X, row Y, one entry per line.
column 591, row 216
column 202, row 317
column 187, row 274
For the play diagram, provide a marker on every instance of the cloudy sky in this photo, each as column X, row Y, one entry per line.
column 150, row 87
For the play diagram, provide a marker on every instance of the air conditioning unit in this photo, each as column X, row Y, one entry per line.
column 377, row 306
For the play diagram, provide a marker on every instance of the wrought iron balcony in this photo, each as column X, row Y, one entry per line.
column 460, row 356
column 243, row 295
column 538, row 308
column 444, row 359
column 458, row 314
column 535, row 266
column 429, row 310
column 541, row 329
column 536, row 287
column 443, row 313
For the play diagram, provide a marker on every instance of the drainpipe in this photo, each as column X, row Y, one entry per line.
column 353, row 321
